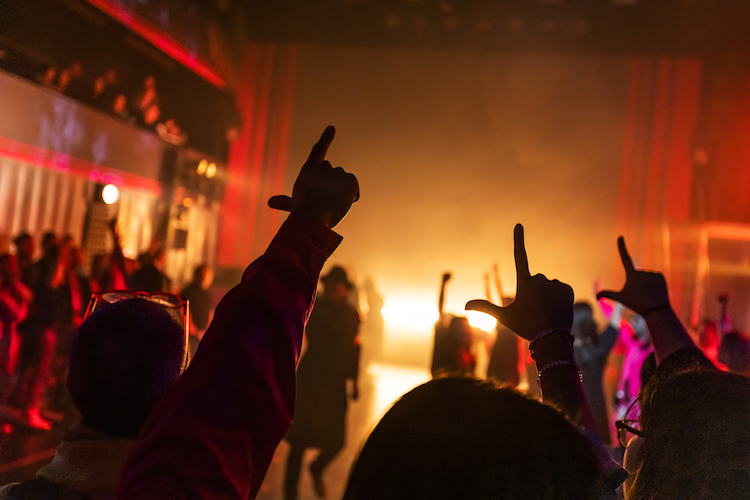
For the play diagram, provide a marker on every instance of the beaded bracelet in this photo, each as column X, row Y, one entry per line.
column 553, row 364
column 544, row 334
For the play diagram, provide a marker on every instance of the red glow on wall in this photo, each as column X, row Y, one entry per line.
column 52, row 160
column 161, row 40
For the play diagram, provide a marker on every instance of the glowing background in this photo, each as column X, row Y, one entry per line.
column 453, row 148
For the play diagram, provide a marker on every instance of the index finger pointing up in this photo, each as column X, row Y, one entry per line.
column 318, row 153
column 627, row 262
column 519, row 251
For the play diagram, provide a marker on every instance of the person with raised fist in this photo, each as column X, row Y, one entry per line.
column 214, row 433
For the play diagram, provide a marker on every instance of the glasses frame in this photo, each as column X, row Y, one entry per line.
column 184, row 306
column 624, row 426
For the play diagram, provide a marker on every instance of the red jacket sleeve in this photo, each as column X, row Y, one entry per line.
column 214, row 434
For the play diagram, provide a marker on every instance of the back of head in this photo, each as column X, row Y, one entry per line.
column 459, row 437
column 697, row 438
column 123, row 359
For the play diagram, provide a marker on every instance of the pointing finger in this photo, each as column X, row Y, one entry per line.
column 320, row 149
column 519, row 251
column 627, row 262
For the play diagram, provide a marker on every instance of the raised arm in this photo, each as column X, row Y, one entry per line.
column 646, row 293
column 542, row 312
column 214, row 434
column 441, row 298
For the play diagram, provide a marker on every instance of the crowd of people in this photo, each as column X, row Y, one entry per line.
column 107, row 93
column 210, row 431
column 44, row 301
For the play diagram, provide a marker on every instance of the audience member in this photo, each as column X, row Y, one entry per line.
column 214, row 434
column 503, row 365
column 14, row 301
column 692, row 438
column 150, row 277
column 591, row 354
column 123, row 359
column 331, row 359
column 456, row 437
column 452, row 348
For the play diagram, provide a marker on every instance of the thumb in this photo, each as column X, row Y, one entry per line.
column 608, row 294
column 485, row 307
column 280, row 202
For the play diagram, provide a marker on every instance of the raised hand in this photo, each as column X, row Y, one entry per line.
column 540, row 304
column 643, row 291
column 321, row 192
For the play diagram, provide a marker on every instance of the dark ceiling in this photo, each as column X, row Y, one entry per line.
column 599, row 26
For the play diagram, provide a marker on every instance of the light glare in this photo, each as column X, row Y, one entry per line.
column 110, row 194
column 481, row 320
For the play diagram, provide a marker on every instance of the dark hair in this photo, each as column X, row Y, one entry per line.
column 123, row 359
column 459, row 437
column 697, row 437
column 584, row 325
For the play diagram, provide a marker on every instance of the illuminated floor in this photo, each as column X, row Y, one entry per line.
column 380, row 385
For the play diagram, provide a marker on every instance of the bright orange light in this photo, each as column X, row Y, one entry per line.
column 202, row 167
column 410, row 316
column 211, row 170
column 481, row 320
column 188, row 202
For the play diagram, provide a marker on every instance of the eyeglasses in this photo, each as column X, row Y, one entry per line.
column 177, row 307
column 628, row 427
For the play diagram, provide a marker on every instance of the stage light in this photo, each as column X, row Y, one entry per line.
column 481, row 320
column 110, row 194
column 210, row 170
column 202, row 167
column 187, row 202
column 410, row 315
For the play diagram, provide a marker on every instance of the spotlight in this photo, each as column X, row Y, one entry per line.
column 110, row 194
column 211, row 170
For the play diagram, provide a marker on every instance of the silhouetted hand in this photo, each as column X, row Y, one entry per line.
column 643, row 290
column 321, row 192
column 540, row 304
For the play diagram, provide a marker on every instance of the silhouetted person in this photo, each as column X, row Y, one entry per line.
column 332, row 358
column 373, row 326
column 123, row 359
column 150, row 277
column 503, row 364
column 591, row 353
column 451, row 353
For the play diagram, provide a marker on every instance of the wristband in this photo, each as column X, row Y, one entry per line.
column 554, row 364
column 547, row 332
